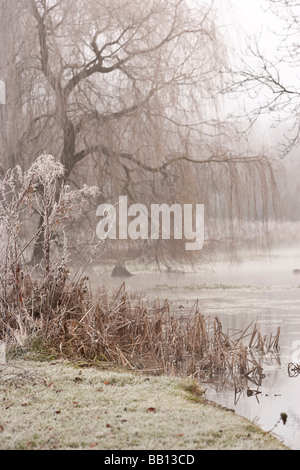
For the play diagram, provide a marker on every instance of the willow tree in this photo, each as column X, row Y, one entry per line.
column 269, row 73
column 125, row 94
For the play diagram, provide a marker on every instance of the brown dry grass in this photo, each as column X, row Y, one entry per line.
column 62, row 314
column 126, row 330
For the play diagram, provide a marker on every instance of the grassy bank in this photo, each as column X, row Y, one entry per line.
column 45, row 307
column 59, row 406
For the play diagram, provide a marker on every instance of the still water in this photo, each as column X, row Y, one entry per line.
column 266, row 290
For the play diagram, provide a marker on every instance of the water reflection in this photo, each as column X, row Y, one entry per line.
column 268, row 291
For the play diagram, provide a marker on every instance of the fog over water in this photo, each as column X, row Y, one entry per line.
column 159, row 127
column 264, row 289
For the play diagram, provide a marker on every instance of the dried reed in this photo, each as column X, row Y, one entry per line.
column 63, row 314
column 125, row 330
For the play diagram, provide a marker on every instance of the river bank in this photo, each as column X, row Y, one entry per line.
column 263, row 289
column 57, row 405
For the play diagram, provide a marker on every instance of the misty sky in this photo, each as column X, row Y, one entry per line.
column 251, row 18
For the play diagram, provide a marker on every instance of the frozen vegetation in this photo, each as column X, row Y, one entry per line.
column 54, row 405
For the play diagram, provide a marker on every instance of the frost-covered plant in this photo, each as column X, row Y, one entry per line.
column 57, row 202
column 41, row 190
